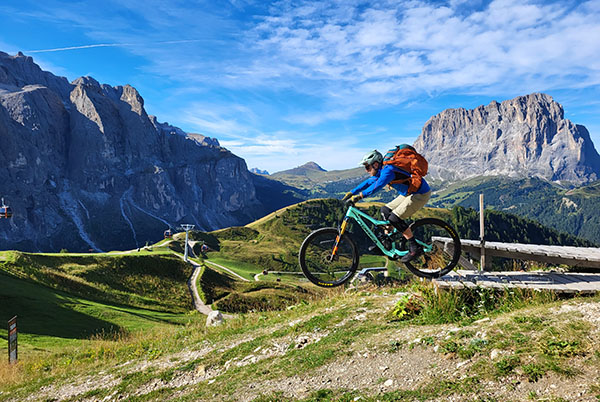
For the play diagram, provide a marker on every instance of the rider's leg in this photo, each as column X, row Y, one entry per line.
column 385, row 212
column 414, row 248
column 405, row 207
column 398, row 223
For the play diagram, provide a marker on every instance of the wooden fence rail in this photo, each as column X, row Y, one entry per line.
column 588, row 257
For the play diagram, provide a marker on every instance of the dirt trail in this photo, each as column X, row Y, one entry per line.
column 196, row 300
column 371, row 367
column 228, row 270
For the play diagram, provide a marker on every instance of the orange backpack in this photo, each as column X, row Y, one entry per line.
column 408, row 159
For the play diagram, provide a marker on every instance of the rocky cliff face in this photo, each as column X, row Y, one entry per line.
column 84, row 167
column 523, row 137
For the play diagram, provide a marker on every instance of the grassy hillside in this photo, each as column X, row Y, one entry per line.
column 230, row 295
column 573, row 211
column 154, row 281
column 272, row 243
column 64, row 300
column 393, row 344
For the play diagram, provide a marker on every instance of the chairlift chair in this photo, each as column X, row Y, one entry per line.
column 168, row 234
column 5, row 211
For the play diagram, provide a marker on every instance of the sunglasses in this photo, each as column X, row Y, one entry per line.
column 368, row 167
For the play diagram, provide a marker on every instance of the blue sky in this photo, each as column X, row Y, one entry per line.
column 286, row 82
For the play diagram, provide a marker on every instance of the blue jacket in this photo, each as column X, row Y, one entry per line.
column 383, row 177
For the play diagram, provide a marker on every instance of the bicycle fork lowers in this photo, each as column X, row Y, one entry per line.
column 339, row 236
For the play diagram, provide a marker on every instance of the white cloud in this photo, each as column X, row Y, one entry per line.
column 418, row 47
column 229, row 121
column 334, row 59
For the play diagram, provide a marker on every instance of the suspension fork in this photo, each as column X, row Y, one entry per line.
column 339, row 236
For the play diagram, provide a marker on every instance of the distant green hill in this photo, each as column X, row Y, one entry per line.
column 319, row 183
column 59, row 299
column 575, row 211
column 272, row 243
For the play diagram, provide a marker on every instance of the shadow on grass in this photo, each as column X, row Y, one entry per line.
column 44, row 311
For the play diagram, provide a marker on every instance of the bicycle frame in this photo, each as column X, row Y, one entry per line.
column 358, row 215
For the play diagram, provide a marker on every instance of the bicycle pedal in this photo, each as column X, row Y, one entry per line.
column 375, row 249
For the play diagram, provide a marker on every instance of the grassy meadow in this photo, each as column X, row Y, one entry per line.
column 121, row 325
column 474, row 345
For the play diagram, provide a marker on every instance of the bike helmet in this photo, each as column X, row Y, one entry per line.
column 372, row 157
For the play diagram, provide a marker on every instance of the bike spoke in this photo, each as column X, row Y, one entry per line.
column 437, row 259
column 319, row 263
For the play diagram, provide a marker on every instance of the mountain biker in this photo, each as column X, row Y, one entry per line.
column 402, row 207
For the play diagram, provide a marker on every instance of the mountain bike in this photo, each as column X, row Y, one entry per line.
column 329, row 257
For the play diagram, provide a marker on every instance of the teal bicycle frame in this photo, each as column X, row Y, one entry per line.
column 358, row 215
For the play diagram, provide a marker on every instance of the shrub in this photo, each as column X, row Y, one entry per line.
column 430, row 305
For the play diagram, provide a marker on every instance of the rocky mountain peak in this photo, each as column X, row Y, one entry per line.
column 84, row 167
column 313, row 166
column 86, row 81
column 527, row 136
column 20, row 70
column 204, row 140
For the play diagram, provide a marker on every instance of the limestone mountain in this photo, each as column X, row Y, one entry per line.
column 318, row 182
column 527, row 136
column 83, row 166
column 307, row 168
column 259, row 171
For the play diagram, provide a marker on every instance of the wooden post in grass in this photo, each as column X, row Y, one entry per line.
column 481, row 233
column 12, row 340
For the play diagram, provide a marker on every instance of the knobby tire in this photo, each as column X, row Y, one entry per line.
column 314, row 252
column 427, row 265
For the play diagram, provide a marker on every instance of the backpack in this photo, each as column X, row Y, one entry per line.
column 408, row 159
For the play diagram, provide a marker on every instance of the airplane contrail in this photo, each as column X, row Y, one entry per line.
column 60, row 49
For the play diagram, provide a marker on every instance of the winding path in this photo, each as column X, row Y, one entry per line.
column 196, row 300
column 228, row 270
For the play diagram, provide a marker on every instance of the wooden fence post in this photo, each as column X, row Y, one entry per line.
column 12, row 340
column 482, row 265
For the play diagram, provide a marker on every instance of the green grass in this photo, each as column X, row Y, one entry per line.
column 143, row 281
column 63, row 299
column 231, row 295
column 428, row 305
column 548, row 343
column 49, row 320
column 244, row 269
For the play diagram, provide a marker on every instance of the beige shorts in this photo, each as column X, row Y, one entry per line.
column 405, row 206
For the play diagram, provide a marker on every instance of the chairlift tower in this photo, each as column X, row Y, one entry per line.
column 187, row 227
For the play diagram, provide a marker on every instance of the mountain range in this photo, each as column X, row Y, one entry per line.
column 527, row 136
column 85, row 167
column 522, row 154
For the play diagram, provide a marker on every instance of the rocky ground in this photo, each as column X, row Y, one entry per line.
column 396, row 359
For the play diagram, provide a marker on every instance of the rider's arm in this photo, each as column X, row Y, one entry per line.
column 386, row 175
column 363, row 185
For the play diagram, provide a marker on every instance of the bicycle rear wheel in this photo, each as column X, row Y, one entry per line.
column 316, row 259
column 441, row 246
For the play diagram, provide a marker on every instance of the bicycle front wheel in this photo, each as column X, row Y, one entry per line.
column 318, row 263
column 441, row 248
